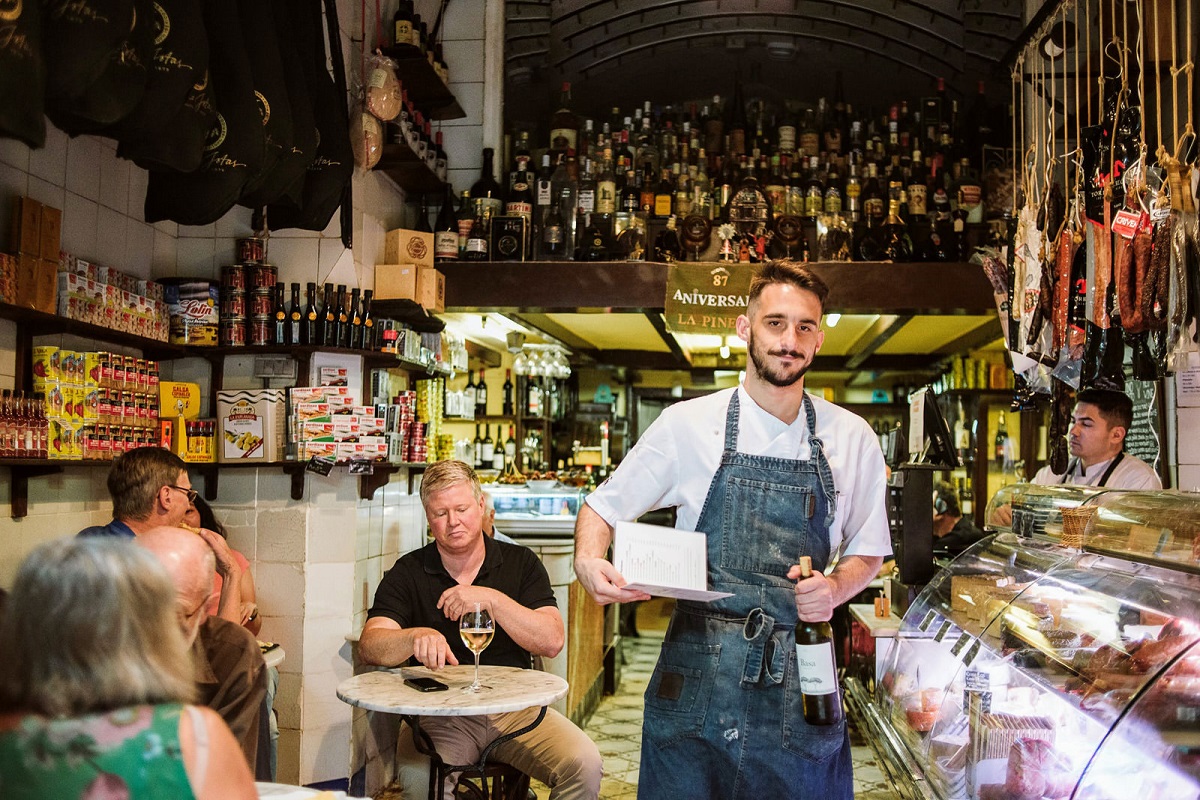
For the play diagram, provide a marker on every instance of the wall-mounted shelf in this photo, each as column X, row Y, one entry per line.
column 424, row 85
column 408, row 170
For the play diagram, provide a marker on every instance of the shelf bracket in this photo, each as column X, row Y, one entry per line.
column 297, row 473
column 19, row 486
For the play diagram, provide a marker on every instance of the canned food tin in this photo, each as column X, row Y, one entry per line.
column 233, row 331
column 263, row 276
column 233, row 276
column 251, row 250
column 261, row 303
column 46, row 363
column 261, row 330
column 131, row 375
column 233, row 302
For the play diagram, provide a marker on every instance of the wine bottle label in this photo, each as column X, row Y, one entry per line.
column 587, row 201
column 476, row 245
column 563, row 138
column 445, row 244
column 662, row 205
column 606, row 197
column 815, row 666
column 810, row 143
column 544, row 193
column 916, row 199
column 403, row 33
column 787, row 137
column 519, row 209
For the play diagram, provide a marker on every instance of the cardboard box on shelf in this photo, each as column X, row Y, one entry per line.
column 250, row 425
column 179, row 399
column 36, row 283
column 27, row 227
column 431, row 290
column 396, row 281
column 51, row 233
column 403, row 246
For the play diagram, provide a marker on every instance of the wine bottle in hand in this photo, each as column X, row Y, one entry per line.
column 816, row 667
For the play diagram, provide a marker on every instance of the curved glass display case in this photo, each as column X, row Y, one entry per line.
column 1148, row 527
column 1029, row 509
column 1029, row 670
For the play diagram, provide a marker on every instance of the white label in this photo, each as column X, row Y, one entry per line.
column 476, row 245
column 544, row 193
column 445, row 244
column 815, row 665
column 587, row 201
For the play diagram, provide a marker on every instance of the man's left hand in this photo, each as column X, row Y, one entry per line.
column 458, row 600
column 814, row 596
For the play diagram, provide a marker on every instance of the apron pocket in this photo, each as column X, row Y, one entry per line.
column 766, row 526
column 678, row 696
column 812, row 742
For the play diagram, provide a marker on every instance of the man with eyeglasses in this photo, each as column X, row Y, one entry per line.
column 151, row 490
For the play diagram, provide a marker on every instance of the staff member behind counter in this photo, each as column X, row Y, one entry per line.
column 1096, row 441
column 770, row 474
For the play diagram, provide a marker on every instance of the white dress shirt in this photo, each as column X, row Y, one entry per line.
column 674, row 462
column 1131, row 473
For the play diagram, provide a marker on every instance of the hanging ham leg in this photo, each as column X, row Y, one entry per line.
column 1061, row 300
column 1104, row 262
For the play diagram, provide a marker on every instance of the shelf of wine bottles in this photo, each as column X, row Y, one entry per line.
column 738, row 180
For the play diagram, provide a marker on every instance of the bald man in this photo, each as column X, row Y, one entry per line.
column 230, row 676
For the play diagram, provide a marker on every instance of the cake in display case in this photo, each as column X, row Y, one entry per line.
column 1030, row 670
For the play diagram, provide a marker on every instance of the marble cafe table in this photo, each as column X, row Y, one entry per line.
column 511, row 689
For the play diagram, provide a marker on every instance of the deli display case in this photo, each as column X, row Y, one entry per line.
column 541, row 514
column 1062, row 664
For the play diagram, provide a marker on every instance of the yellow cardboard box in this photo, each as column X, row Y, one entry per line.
column 396, row 281
column 431, row 289
column 179, row 399
column 403, row 246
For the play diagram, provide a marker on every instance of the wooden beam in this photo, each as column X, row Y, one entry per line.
column 638, row 286
column 884, row 328
column 551, row 329
column 486, row 356
column 660, row 325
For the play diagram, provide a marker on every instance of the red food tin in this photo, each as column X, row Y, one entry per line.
column 262, row 303
column 233, row 302
column 233, row 276
column 233, row 331
column 263, row 276
column 251, row 250
column 261, row 330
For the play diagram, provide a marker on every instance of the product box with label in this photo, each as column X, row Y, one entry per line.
column 396, row 281
column 408, row 247
column 431, row 290
column 27, row 227
column 179, row 399
column 250, row 425
column 36, row 283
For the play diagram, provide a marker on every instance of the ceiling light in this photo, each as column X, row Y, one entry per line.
column 831, row 320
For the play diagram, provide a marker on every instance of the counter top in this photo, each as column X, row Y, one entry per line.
column 885, row 628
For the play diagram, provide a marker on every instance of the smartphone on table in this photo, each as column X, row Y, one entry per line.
column 426, row 684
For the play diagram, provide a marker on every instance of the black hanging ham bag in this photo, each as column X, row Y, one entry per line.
column 22, row 72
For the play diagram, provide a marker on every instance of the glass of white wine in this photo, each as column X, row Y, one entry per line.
column 476, row 628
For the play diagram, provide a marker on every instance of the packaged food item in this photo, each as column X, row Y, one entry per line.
column 383, row 88
column 250, row 425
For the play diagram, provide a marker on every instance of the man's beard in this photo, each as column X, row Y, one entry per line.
column 769, row 374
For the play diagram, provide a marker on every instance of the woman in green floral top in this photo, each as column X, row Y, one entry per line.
column 94, row 680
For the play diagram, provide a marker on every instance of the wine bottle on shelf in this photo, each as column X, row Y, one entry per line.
column 1000, row 445
column 367, row 341
column 507, row 408
column 485, row 193
column 423, row 217
column 498, row 451
column 510, row 446
column 478, row 442
column 481, row 397
column 477, row 240
column 402, row 23
column 816, row 667
column 295, row 318
column 355, row 339
column 468, row 407
column 329, row 318
column 343, row 318
column 280, row 317
column 488, row 447
column 445, row 235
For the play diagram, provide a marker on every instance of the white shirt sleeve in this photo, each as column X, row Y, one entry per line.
column 1135, row 474
column 646, row 478
column 864, row 529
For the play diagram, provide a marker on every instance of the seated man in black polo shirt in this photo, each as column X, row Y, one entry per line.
column 415, row 616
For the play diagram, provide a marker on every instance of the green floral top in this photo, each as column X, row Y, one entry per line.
column 128, row 754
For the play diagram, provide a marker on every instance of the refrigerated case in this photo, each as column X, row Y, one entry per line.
column 1027, row 669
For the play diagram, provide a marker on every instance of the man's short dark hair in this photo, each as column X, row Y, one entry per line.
column 945, row 500
column 785, row 271
column 137, row 475
column 1115, row 407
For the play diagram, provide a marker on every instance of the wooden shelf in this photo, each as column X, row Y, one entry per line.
column 409, row 172
column 38, row 323
column 410, row 313
column 425, row 88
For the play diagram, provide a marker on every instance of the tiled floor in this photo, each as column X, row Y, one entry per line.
column 616, row 728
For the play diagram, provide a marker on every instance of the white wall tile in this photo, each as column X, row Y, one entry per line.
column 139, row 179
column 49, row 162
column 235, row 224
column 331, row 545
column 84, row 155
column 288, row 631
column 80, row 217
column 469, row 94
column 281, row 535
column 464, row 148
column 337, row 264
column 110, row 237
column 194, row 257
column 48, row 194
column 288, row 759
column 330, row 593
column 15, row 154
column 296, row 258
column 288, row 699
column 463, row 21
column 1189, row 444
column 139, row 249
column 114, row 183
column 325, row 753
column 280, row 589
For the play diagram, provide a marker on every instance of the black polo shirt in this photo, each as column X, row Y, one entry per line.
column 409, row 592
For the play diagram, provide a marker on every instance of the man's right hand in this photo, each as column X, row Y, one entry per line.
column 604, row 583
column 432, row 649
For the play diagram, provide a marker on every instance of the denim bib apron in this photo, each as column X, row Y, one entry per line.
column 723, row 715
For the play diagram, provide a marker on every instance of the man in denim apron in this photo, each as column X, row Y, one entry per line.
column 786, row 475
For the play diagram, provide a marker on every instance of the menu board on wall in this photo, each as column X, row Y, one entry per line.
column 1145, row 437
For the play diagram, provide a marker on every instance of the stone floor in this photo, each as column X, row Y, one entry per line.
column 616, row 727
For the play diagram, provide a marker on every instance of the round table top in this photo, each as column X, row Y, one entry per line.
column 274, row 657
column 511, row 689
column 282, row 791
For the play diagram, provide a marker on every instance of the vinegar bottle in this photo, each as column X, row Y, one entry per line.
column 816, row 667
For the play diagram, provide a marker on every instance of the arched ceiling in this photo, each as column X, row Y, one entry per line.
column 622, row 52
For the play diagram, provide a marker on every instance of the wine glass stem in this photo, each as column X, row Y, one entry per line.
column 476, row 684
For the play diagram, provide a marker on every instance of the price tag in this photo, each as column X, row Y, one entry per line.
column 976, row 680
column 321, row 465
column 1126, row 223
column 942, row 631
column 360, row 466
column 930, row 616
column 972, row 654
column 960, row 643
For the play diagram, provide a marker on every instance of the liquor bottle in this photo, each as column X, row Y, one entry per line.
column 488, row 447
column 485, row 192
column 814, row 191
column 664, row 195
column 510, row 446
column 343, row 319
column 477, row 241
column 895, row 244
column 520, row 199
column 481, row 396
column 367, row 341
column 441, row 163
column 533, row 396
column 310, row 326
column 667, row 246
column 853, row 196
column 606, row 187
column 833, row 191
column 41, row 427
column 466, row 220
column 593, row 243
column 714, row 127
column 445, row 236
column 295, row 318
column 1000, row 445
column 736, row 125
column 469, row 395
column 507, row 408
column 423, row 217
column 776, row 186
column 809, row 137
column 916, row 189
column 872, row 198
column 478, row 443
column 966, row 497
column 354, row 340
column 329, row 310
column 402, row 27
column 564, row 125
column 553, row 239
column 498, row 460
column 631, row 194
column 280, row 317
column 585, row 198
column 816, row 667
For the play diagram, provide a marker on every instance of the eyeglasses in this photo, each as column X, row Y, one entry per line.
column 192, row 494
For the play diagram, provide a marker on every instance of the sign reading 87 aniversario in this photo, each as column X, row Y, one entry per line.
column 706, row 297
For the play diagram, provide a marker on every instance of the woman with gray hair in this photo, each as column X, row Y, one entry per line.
column 94, row 681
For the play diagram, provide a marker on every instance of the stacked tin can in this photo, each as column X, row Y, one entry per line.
column 247, row 298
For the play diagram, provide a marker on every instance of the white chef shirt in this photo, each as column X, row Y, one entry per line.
column 674, row 462
column 1131, row 473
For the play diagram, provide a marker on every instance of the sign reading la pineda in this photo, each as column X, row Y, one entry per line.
column 706, row 297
